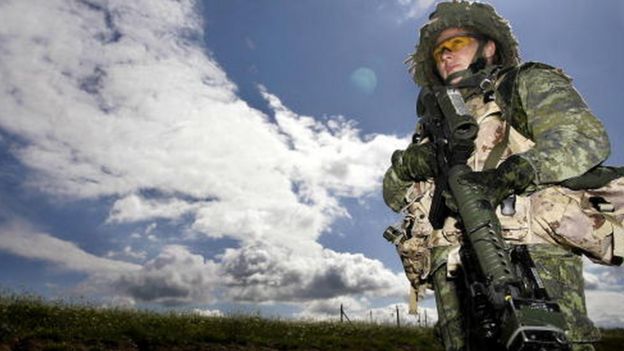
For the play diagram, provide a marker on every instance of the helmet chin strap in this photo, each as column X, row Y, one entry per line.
column 463, row 74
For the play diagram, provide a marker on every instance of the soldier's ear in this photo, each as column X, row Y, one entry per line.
column 489, row 51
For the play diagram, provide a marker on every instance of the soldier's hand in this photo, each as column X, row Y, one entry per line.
column 512, row 176
column 594, row 178
column 416, row 163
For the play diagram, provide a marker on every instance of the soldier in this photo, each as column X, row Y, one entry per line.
column 537, row 139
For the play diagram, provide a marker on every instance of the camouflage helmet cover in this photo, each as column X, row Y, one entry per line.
column 461, row 14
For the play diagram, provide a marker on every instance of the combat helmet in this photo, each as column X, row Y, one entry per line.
column 476, row 16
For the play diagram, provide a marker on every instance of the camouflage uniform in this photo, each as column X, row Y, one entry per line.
column 538, row 115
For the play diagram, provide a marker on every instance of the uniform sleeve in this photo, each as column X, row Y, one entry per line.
column 394, row 190
column 569, row 139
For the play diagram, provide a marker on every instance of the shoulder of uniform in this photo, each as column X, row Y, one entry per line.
column 510, row 73
column 535, row 65
column 537, row 70
column 526, row 68
column 508, row 78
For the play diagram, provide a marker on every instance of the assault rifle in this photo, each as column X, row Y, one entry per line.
column 507, row 306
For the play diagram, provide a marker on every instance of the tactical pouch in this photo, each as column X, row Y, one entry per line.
column 412, row 240
column 589, row 221
column 416, row 259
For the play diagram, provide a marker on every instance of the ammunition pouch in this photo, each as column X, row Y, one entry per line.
column 412, row 245
column 416, row 259
column 589, row 221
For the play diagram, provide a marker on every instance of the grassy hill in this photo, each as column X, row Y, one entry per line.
column 28, row 323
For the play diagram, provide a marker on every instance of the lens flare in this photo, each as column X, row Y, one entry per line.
column 364, row 80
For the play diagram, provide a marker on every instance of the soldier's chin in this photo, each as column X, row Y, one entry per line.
column 453, row 70
column 456, row 80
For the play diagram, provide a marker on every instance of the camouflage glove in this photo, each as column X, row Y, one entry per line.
column 416, row 163
column 594, row 178
column 512, row 176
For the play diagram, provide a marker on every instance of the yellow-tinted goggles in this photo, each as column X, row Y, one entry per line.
column 452, row 44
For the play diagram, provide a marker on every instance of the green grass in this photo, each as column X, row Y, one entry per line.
column 612, row 340
column 29, row 323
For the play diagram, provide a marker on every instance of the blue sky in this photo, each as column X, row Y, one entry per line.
column 227, row 155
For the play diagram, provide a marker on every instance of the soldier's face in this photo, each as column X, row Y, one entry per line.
column 450, row 61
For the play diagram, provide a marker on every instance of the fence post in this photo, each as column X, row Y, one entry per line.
column 398, row 318
column 341, row 313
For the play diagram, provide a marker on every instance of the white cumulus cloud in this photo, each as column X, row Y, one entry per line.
column 19, row 238
column 606, row 308
column 262, row 272
column 416, row 8
column 119, row 99
column 174, row 277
